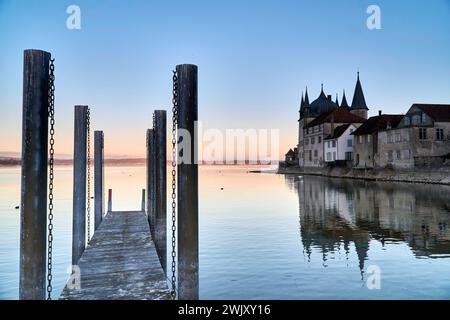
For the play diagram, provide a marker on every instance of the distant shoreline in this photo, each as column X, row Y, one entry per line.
column 132, row 162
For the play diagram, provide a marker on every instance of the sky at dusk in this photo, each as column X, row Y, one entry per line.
column 254, row 56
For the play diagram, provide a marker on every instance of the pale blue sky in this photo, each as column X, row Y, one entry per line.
column 254, row 57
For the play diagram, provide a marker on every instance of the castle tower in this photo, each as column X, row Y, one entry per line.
column 359, row 106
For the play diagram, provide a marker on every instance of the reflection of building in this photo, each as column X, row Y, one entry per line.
column 335, row 212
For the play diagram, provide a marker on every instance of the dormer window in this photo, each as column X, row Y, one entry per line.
column 424, row 117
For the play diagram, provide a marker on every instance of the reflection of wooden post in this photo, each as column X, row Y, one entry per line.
column 143, row 201
column 79, row 184
column 99, row 177
column 160, row 188
column 33, row 210
column 151, row 178
column 109, row 200
column 188, row 185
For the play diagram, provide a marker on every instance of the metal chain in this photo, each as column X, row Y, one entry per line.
column 174, row 174
column 88, row 208
column 51, row 114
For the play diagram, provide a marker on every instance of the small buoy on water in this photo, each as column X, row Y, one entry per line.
column 17, row 207
column 221, row 188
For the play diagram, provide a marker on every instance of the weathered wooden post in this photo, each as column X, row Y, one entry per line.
column 109, row 200
column 33, row 211
column 143, row 201
column 151, row 177
column 160, row 187
column 99, row 177
column 79, row 184
column 187, row 184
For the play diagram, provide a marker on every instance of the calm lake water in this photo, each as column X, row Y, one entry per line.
column 267, row 236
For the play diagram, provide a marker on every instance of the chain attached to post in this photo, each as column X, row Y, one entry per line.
column 88, row 205
column 51, row 115
column 174, row 180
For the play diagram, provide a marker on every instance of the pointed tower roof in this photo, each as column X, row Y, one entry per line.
column 306, row 101
column 337, row 100
column 344, row 103
column 359, row 102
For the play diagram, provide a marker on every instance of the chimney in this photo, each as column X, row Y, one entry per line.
column 329, row 97
column 379, row 112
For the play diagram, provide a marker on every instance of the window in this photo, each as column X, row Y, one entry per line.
column 390, row 156
column 320, row 139
column 349, row 156
column 424, row 117
column 357, row 158
column 439, row 134
column 415, row 119
column 349, row 143
column 334, row 156
column 422, row 133
column 309, row 155
column 368, row 138
column 406, row 121
column 316, row 153
column 389, row 137
column 334, row 143
column 313, row 140
column 328, row 156
column 398, row 155
column 398, row 137
column 408, row 154
column 328, row 144
column 351, row 130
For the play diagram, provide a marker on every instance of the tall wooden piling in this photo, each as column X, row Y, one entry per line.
column 151, row 177
column 33, row 210
column 79, row 184
column 99, row 177
column 188, row 185
column 160, row 186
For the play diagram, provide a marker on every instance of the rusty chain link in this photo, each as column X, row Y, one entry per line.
column 51, row 114
column 88, row 207
column 174, row 175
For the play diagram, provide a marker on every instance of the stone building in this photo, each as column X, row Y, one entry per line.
column 319, row 118
column 366, row 144
column 421, row 138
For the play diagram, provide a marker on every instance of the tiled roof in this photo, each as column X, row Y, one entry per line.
column 340, row 116
column 437, row 112
column 338, row 131
column 377, row 123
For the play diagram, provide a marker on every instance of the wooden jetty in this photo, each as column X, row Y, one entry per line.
column 127, row 256
column 120, row 262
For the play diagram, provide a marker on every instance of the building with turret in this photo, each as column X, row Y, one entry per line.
column 321, row 117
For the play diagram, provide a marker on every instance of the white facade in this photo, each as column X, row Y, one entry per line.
column 340, row 148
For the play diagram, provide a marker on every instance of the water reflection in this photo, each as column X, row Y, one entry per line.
column 336, row 213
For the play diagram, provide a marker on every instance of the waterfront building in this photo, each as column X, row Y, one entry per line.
column 421, row 138
column 319, row 119
column 366, row 139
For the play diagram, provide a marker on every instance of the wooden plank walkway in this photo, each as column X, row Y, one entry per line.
column 120, row 262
